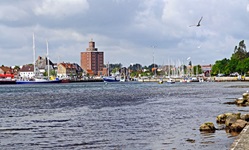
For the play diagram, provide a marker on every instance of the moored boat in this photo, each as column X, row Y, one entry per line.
column 7, row 81
column 111, row 79
column 160, row 81
column 171, row 81
column 37, row 81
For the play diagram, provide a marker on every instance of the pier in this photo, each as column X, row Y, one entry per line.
column 241, row 142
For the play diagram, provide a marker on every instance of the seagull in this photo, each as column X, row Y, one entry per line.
column 199, row 46
column 199, row 23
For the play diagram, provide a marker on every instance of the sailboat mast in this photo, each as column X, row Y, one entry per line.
column 47, row 58
column 34, row 52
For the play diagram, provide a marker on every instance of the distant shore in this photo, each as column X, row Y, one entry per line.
column 209, row 79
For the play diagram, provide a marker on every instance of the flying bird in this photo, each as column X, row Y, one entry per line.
column 198, row 24
column 199, row 46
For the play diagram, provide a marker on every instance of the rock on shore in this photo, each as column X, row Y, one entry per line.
column 208, row 126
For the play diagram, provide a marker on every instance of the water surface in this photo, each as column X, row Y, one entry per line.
column 115, row 115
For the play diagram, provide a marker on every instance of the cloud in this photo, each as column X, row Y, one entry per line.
column 61, row 8
column 124, row 29
column 11, row 13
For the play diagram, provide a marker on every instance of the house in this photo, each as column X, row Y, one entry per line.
column 206, row 69
column 6, row 72
column 27, row 71
column 69, row 70
column 66, row 70
column 79, row 70
column 42, row 64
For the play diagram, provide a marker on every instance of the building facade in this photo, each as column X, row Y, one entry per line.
column 27, row 71
column 6, row 72
column 69, row 70
column 42, row 64
column 92, row 61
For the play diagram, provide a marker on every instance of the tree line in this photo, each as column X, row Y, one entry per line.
column 239, row 62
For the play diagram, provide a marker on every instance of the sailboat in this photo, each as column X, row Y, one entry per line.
column 170, row 80
column 35, row 79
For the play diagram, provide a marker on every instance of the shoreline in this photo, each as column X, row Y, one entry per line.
column 241, row 141
column 206, row 79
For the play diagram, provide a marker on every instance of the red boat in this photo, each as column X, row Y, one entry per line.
column 7, row 79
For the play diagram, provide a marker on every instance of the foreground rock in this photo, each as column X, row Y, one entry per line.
column 245, row 117
column 235, row 122
column 208, row 126
column 241, row 101
column 222, row 117
column 238, row 125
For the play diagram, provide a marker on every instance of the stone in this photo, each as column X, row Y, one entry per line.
column 230, row 120
column 208, row 126
column 245, row 117
column 245, row 95
column 222, row 117
column 240, row 101
column 238, row 125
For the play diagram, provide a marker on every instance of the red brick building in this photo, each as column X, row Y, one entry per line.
column 92, row 61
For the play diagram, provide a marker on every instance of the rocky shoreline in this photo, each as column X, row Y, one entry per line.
column 232, row 123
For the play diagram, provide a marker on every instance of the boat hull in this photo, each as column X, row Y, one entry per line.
column 38, row 82
column 110, row 79
column 7, row 82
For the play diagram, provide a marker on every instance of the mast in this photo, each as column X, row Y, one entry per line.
column 47, row 58
column 34, row 52
column 108, row 69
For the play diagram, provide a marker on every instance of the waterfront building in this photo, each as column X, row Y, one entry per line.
column 27, row 71
column 66, row 70
column 42, row 65
column 92, row 61
column 206, row 69
column 6, row 72
column 69, row 70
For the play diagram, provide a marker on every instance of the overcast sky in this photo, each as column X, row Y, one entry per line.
column 127, row 31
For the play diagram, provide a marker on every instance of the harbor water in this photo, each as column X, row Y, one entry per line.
column 113, row 116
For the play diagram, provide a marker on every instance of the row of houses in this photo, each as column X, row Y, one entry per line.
column 60, row 70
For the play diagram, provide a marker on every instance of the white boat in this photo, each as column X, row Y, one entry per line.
column 36, row 80
column 160, row 81
column 111, row 79
column 7, row 81
column 184, row 80
column 171, row 81
column 123, row 80
column 201, row 79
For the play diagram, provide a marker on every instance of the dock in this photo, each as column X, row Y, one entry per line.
column 241, row 142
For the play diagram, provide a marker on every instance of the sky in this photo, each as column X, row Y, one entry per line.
column 127, row 31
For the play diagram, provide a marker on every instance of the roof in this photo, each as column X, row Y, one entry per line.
column 68, row 65
column 90, row 72
column 27, row 68
column 6, row 69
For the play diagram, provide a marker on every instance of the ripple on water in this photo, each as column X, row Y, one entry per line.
column 114, row 116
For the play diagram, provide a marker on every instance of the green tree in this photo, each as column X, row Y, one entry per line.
column 240, row 52
column 197, row 69
column 237, row 63
column 17, row 67
column 221, row 66
column 244, row 66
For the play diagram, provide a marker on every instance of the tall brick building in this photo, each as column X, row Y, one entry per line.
column 92, row 61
